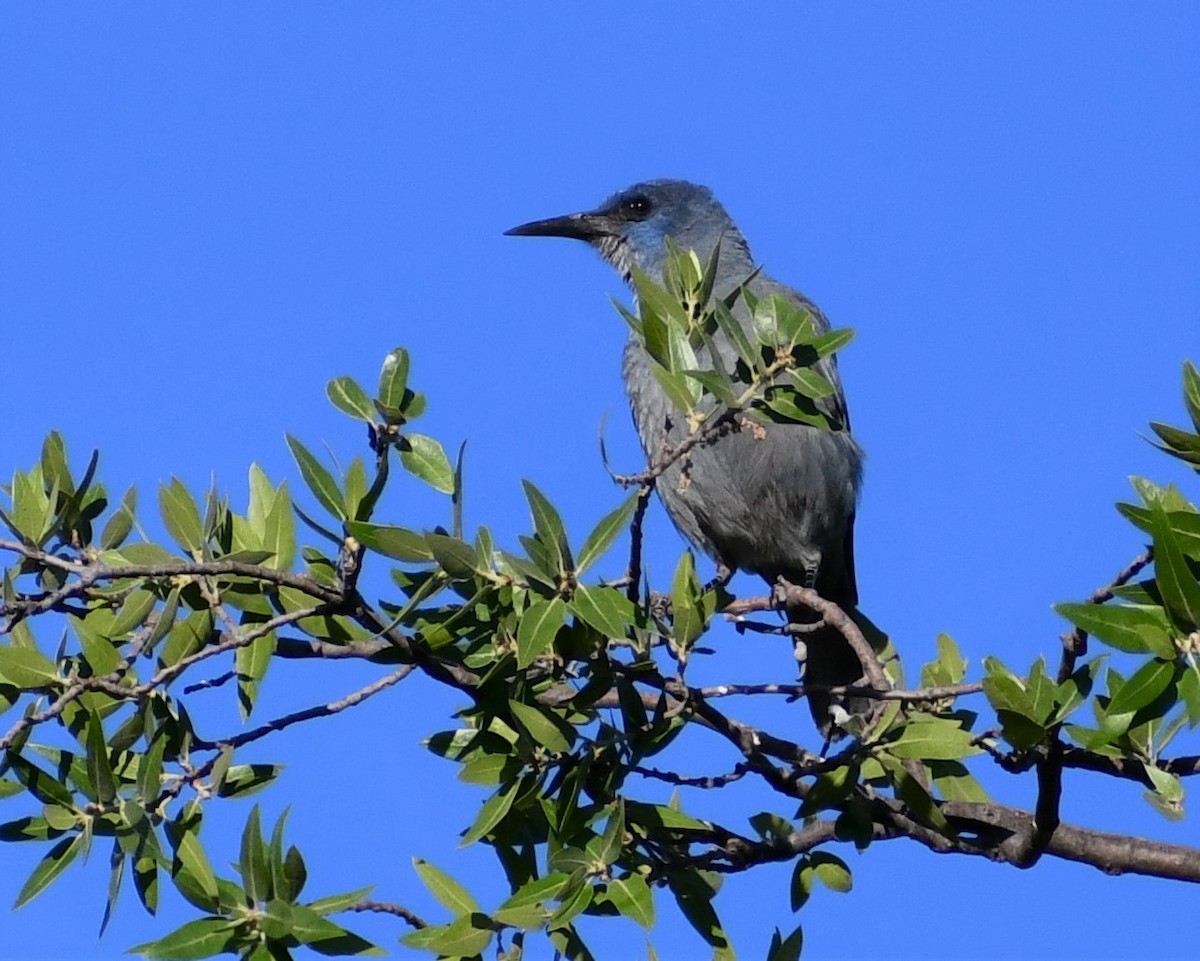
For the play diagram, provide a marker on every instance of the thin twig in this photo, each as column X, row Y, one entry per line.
column 319, row 710
column 386, row 907
column 713, row 781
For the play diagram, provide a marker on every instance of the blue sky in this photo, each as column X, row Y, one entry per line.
column 207, row 212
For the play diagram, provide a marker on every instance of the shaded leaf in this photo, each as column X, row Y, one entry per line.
column 57, row 859
column 541, row 728
column 319, row 480
column 457, row 558
column 492, row 813
column 1172, row 573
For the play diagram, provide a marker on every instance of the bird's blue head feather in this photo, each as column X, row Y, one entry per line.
column 630, row 228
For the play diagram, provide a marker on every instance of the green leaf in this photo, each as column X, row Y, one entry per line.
column 1131, row 628
column 489, row 769
column 150, row 766
column 934, row 739
column 295, row 873
column 243, row 780
column 424, row 458
column 393, row 378
column 201, row 938
column 457, row 558
column 253, row 863
column 270, row 517
column 448, row 892
column 790, row 407
column 120, row 524
column 715, row 383
column 681, row 389
column 278, row 919
column 465, row 938
column 192, row 873
column 576, row 899
column 1189, row 693
column 54, row 463
column 1142, row 688
column 348, row 397
column 133, row 615
column 325, row 937
column 28, row 829
column 397, row 543
column 1179, row 443
column 1185, row 524
column 492, row 813
column 116, row 874
column 1191, row 391
column 48, row 868
column 29, row 506
column 955, row 783
column 526, row 908
column 913, row 793
column 831, row 871
column 333, row 903
column 181, row 515
column 688, row 617
column 655, row 300
column 801, row 886
column 832, row 342
column 786, row 949
column 187, row 637
column 41, row 785
column 543, row 730
column 1168, row 792
column 319, row 480
column 26, row 668
column 810, row 383
column 93, row 632
column 632, row 897
column 99, row 767
column 251, row 662
column 829, row 789
column 1013, row 705
column 538, row 627
column 605, row 608
column 694, row 894
column 549, row 527
column 949, row 667
column 1176, row 582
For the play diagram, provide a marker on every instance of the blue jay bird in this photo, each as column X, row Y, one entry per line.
column 777, row 501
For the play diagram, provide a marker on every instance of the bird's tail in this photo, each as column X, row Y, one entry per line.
column 830, row 661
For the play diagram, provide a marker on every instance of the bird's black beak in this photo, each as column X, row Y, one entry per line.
column 585, row 226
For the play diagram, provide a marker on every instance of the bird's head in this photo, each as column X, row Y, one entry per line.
column 630, row 228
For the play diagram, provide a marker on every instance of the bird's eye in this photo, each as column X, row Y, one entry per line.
column 635, row 208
